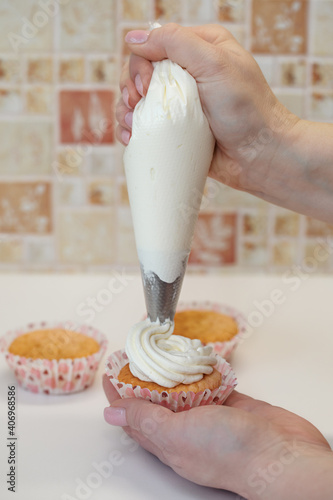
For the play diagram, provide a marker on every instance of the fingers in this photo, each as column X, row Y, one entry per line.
column 124, row 116
column 182, row 45
column 110, row 392
column 140, row 71
column 150, row 420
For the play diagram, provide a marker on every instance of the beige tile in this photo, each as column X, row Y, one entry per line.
column 33, row 156
column 168, row 10
column 322, row 106
column 104, row 162
column 71, row 69
column 232, row 11
column 11, row 251
column 11, row 101
column 322, row 75
column 136, row 11
column 10, row 69
column 25, row 207
column 88, row 25
column 279, row 27
column 101, row 192
column 103, row 70
column 40, row 251
column 287, row 224
column 25, row 27
column 317, row 228
column 316, row 258
column 71, row 192
column 87, row 238
column 123, row 193
column 254, row 253
column 40, row 70
column 323, row 32
column 199, row 11
column 293, row 74
column 70, row 162
column 254, row 224
column 284, row 253
column 40, row 100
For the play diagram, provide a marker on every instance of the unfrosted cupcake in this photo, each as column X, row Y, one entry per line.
column 217, row 325
column 170, row 370
column 54, row 358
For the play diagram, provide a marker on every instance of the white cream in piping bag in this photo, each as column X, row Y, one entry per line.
column 166, row 165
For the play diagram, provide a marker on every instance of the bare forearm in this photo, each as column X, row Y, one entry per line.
column 301, row 173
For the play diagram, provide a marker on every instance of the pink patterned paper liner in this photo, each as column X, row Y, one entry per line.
column 223, row 349
column 174, row 401
column 47, row 376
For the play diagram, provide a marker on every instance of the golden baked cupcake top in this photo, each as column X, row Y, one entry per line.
column 211, row 381
column 55, row 343
column 207, row 326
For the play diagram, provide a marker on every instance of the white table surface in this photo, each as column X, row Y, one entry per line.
column 287, row 361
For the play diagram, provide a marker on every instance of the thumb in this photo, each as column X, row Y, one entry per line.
column 140, row 415
column 181, row 45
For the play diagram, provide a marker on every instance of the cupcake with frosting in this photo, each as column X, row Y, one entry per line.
column 174, row 371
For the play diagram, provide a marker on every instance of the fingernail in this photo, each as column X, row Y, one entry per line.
column 115, row 416
column 125, row 136
column 126, row 96
column 129, row 118
column 137, row 36
column 138, row 84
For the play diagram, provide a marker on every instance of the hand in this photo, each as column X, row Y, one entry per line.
column 246, row 118
column 246, row 446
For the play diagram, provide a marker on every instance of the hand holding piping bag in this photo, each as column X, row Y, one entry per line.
column 261, row 147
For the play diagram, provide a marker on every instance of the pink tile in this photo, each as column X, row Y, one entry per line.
column 87, row 116
column 214, row 242
column 279, row 27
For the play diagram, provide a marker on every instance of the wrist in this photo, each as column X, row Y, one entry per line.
column 293, row 471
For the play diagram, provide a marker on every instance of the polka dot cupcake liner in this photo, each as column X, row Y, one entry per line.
column 223, row 349
column 174, row 401
column 63, row 376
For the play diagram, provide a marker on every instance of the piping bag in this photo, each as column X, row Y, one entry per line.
column 166, row 165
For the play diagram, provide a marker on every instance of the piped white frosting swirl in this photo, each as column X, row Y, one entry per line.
column 155, row 355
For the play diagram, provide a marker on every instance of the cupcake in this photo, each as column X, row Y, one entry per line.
column 57, row 358
column 173, row 371
column 216, row 325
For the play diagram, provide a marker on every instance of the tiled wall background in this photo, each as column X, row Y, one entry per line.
column 63, row 199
